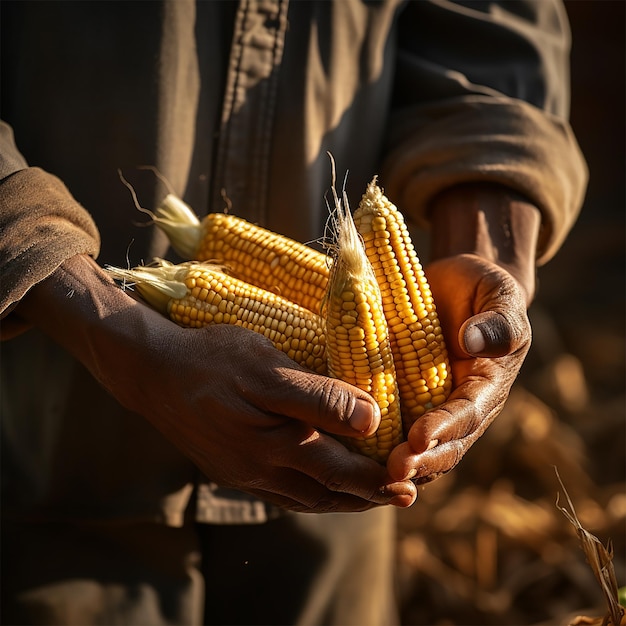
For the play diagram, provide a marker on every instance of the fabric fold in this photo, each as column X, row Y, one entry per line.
column 486, row 139
column 42, row 226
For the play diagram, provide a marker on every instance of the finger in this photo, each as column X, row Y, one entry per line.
column 482, row 389
column 444, row 434
column 339, row 471
column 326, row 403
column 431, row 464
column 332, row 470
column 472, row 406
column 310, row 497
column 284, row 498
column 277, row 385
column 492, row 334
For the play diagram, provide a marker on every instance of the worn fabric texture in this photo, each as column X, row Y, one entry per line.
column 296, row 570
column 237, row 105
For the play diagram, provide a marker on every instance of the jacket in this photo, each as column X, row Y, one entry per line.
column 238, row 104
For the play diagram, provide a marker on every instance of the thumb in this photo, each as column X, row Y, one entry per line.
column 329, row 404
column 493, row 334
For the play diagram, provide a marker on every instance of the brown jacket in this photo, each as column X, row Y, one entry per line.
column 238, row 100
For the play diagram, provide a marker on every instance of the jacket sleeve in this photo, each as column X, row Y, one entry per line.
column 482, row 94
column 42, row 225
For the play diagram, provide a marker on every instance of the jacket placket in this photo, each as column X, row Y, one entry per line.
column 245, row 135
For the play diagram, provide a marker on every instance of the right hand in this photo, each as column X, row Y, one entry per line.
column 249, row 417
column 252, row 419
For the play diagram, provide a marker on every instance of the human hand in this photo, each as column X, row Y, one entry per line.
column 248, row 416
column 252, row 419
column 482, row 311
column 484, row 240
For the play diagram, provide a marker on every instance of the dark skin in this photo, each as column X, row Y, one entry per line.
column 482, row 279
column 259, row 425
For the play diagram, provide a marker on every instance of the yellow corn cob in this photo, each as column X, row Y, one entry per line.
column 357, row 338
column 254, row 254
column 195, row 295
column 419, row 350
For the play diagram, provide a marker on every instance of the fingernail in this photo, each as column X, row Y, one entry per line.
column 475, row 339
column 401, row 494
column 432, row 444
column 410, row 474
column 362, row 416
column 402, row 501
column 398, row 489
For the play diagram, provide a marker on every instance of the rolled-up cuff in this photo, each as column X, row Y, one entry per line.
column 42, row 226
column 498, row 140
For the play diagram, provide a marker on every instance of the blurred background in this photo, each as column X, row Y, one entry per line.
column 488, row 544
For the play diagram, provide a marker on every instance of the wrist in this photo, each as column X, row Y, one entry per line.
column 78, row 291
column 490, row 221
column 85, row 312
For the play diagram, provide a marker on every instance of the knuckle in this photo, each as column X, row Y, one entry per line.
column 334, row 401
column 447, row 457
column 332, row 479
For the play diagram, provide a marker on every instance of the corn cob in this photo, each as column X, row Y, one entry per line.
column 254, row 254
column 419, row 350
column 195, row 295
column 358, row 346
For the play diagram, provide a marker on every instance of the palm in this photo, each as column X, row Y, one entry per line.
column 478, row 303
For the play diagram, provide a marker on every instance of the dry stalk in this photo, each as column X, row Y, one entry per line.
column 600, row 559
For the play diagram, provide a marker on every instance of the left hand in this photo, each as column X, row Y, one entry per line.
column 482, row 310
column 483, row 278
